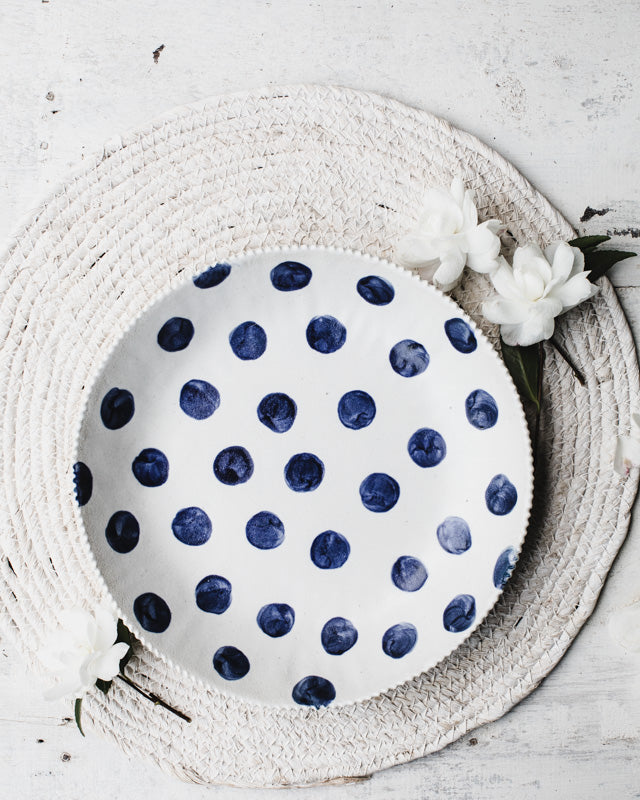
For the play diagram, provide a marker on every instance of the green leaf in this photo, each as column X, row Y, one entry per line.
column 125, row 635
column 600, row 261
column 586, row 243
column 77, row 710
column 524, row 365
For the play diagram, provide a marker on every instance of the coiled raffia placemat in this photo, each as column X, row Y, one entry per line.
column 315, row 165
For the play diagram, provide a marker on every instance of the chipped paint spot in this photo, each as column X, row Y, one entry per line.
column 513, row 96
column 593, row 212
column 634, row 233
column 562, row 62
column 609, row 103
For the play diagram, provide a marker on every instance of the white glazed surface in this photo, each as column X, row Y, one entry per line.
column 361, row 590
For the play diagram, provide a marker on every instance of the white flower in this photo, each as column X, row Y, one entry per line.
column 535, row 290
column 624, row 627
column 82, row 651
column 448, row 236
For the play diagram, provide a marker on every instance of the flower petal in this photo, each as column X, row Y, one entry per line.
column 503, row 281
column 107, row 628
column 106, row 665
column 539, row 326
column 576, row 290
column 427, row 273
column 501, row 311
column 484, row 264
column 79, row 626
column 528, row 252
column 529, row 260
column 457, row 190
column 578, row 261
column 531, row 283
column 578, row 258
column 71, row 687
column 483, row 248
column 560, row 256
column 49, row 654
column 448, row 273
column 441, row 214
column 494, row 225
column 415, row 250
column 469, row 211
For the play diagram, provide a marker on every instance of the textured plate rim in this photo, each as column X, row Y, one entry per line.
column 184, row 279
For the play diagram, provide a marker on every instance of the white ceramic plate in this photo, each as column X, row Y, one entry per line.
column 305, row 476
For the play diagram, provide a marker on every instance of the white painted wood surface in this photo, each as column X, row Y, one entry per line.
column 553, row 86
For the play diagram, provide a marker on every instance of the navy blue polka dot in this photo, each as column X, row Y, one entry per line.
column 338, row 635
column 399, row 639
column 152, row 612
column 290, row 276
column 122, row 532
column 379, row 492
column 199, row 399
column 375, row 290
column 409, row 358
column 248, row 341
column 501, row 495
column 427, row 448
column 191, row 526
column 460, row 335
column 504, row 567
column 230, row 663
column 117, row 408
column 175, row 334
column 213, row 594
column 330, row 550
column 482, row 409
column 233, row 465
column 277, row 411
column 325, row 334
column 409, row 574
column 276, row 619
column 265, row 531
column 314, row 691
column 212, row 276
column 356, row 409
column 151, row 467
column 82, row 482
column 454, row 535
column 459, row 614
column 304, row 472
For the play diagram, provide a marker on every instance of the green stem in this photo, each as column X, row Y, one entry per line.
column 567, row 358
column 153, row 697
column 536, row 434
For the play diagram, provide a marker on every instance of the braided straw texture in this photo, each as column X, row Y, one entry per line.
column 302, row 165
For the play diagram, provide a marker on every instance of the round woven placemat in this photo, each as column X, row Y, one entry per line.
column 302, row 165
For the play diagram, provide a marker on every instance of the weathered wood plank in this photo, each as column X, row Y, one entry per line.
column 552, row 85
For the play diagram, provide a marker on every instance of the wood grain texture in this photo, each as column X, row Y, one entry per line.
column 554, row 87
